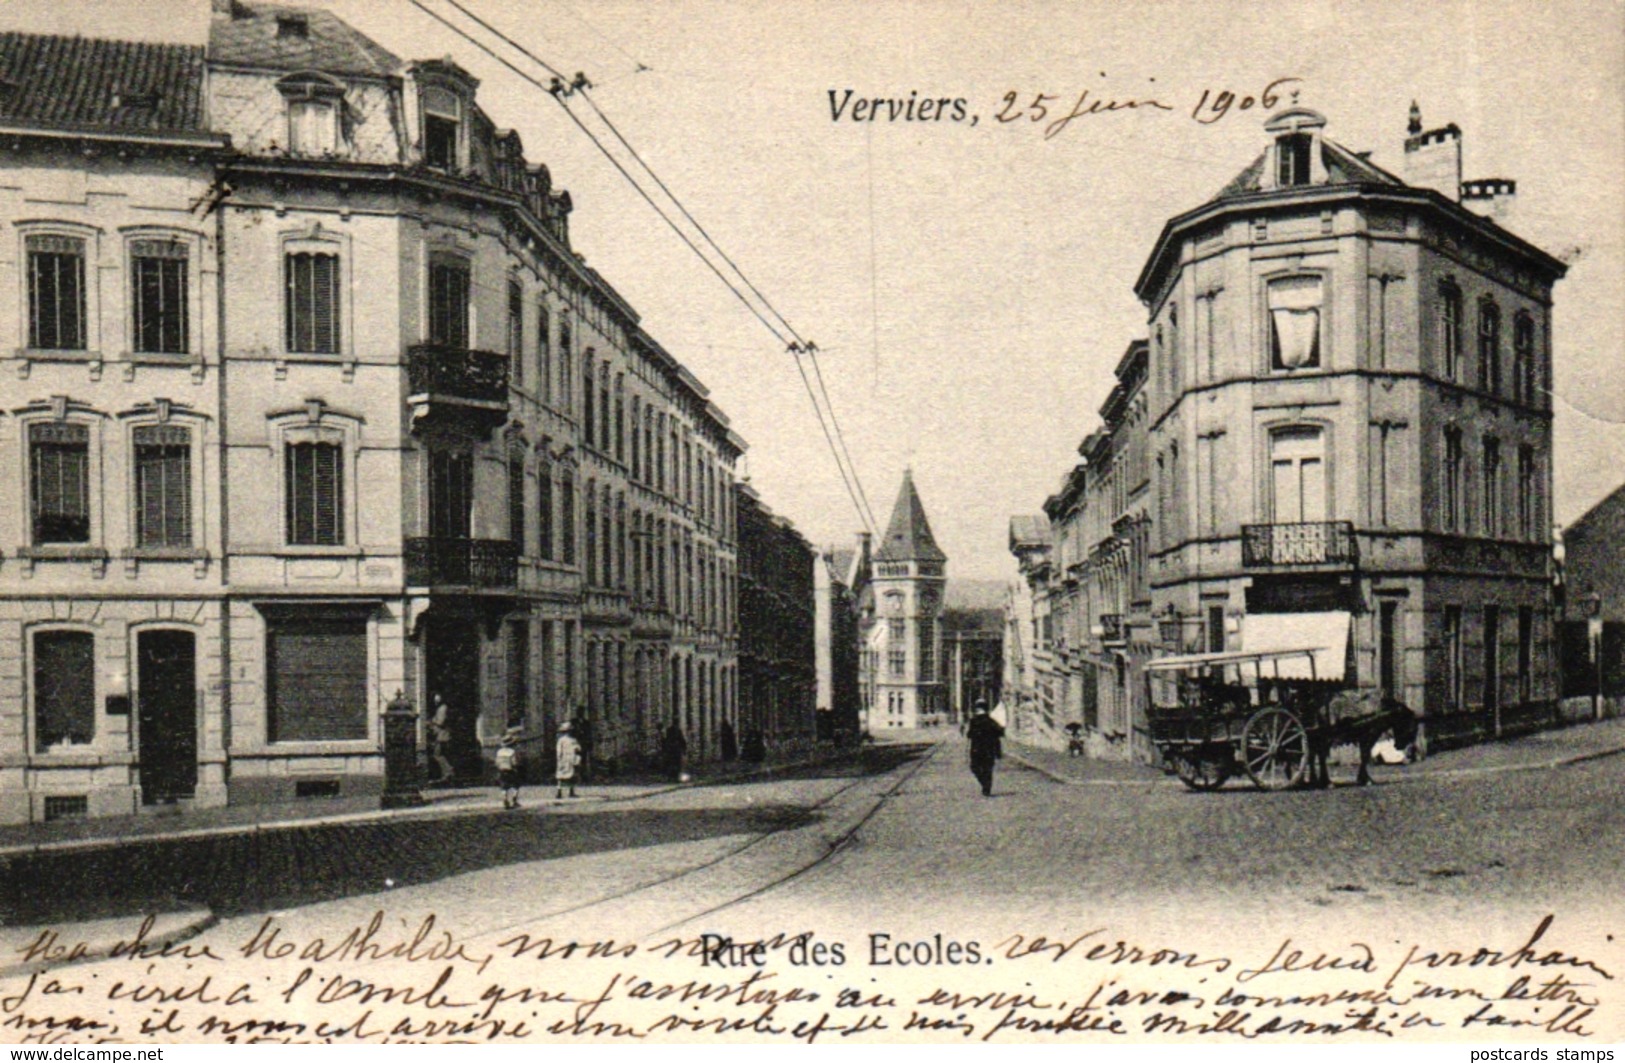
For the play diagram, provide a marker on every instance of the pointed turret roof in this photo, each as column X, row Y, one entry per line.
column 908, row 536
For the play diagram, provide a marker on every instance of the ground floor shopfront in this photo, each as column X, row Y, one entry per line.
column 111, row 706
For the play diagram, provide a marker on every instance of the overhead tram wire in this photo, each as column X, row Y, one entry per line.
column 852, row 494
column 800, row 344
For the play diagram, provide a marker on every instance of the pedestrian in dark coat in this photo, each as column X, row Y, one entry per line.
column 985, row 746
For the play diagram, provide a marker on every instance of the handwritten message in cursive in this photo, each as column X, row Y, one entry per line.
column 393, row 979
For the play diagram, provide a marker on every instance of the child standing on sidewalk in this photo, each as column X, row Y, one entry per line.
column 507, row 761
column 568, row 756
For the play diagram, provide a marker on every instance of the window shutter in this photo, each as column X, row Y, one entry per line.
column 60, row 473
column 328, row 490
column 163, row 456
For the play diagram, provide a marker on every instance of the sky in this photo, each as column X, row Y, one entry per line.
column 970, row 283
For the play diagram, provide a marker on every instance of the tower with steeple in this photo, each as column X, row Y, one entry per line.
column 902, row 638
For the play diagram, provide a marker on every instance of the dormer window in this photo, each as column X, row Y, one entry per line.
column 312, row 127
column 296, row 27
column 314, row 102
column 442, row 128
column 1292, row 160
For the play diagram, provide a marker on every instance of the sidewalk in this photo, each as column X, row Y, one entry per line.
column 1542, row 750
column 173, row 824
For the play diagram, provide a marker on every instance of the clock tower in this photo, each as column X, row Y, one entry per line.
column 905, row 641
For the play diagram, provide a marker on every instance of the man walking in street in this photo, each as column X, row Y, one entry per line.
column 985, row 746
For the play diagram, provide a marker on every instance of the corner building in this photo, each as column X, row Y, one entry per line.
column 1349, row 416
column 311, row 402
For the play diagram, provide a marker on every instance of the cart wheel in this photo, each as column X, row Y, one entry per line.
column 1201, row 772
column 1275, row 749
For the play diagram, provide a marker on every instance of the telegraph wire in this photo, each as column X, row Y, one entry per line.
column 800, row 345
column 559, row 90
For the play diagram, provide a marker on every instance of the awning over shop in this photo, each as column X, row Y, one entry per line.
column 1327, row 634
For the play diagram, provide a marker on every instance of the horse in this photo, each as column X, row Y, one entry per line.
column 1359, row 717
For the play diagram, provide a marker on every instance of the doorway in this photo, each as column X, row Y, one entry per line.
column 166, row 696
column 452, row 670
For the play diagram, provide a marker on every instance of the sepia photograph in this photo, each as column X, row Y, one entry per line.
column 775, row 522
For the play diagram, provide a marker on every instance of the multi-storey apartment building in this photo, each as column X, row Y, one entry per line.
column 1339, row 431
column 313, row 404
column 1349, row 416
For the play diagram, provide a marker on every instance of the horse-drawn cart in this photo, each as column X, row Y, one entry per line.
column 1215, row 715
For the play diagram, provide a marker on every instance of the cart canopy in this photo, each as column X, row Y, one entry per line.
column 1280, row 646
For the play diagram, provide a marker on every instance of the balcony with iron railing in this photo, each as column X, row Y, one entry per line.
column 484, row 564
column 1327, row 542
column 457, row 383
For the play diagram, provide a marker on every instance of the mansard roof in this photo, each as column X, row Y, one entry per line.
column 90, row 85
column 908, row 536
column 251, row 36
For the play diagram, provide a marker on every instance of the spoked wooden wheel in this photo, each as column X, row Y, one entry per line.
column 1275, row 749
column 1200, row 770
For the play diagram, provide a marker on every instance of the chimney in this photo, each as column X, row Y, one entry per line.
column 1490, row 197
column 865, row 540
column 1433, row 158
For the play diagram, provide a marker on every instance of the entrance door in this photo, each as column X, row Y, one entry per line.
column 452, row 663
column 166, row 694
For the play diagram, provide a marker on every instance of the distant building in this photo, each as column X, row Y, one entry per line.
column 973, row 615
column 778, row 670
column 840, row 702
column 901, row 645
column 1592, row 594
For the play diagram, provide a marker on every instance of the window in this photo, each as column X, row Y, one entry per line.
column 928, row 650
column 314, row 477
column 592, row 534
column 1489, row 347
column 567, row 518
column 604, row 424
column 1454, row 672
column 312, row 281
column 516, row 500
column 1297, row 476
column 898, row 662
column 1452, row 510
column 442, row 127
column 1215, row 629
column 1492, row 487
column 449, row 284
column 637, row 435
column 1528, row 500
column 895, row 629
column 516, row 331
column 451, row 494
column 544, row 513
column 1292, row 160
column 64, row 689
column 158, row 274
column 163, row 486
column 316, row 677
column 620, row 420
column 312, row 127
column 589, row 423
column 1450, row 330
column 566, row 376
column 59, row 464
column 544, row 352
column 56, row 293
column 1523, row 358
column 1294, row 305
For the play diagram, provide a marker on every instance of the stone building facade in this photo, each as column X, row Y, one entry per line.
column 1345, row 412
column 900, row 637
column 778, row 671
column 313, row 403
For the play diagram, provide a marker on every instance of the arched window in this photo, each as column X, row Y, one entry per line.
column 1450, row 330
column 1489, row 347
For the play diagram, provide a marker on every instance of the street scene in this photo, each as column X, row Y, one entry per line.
column 1120, row 535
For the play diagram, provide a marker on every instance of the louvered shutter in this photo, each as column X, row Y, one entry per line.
column 163, row 468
